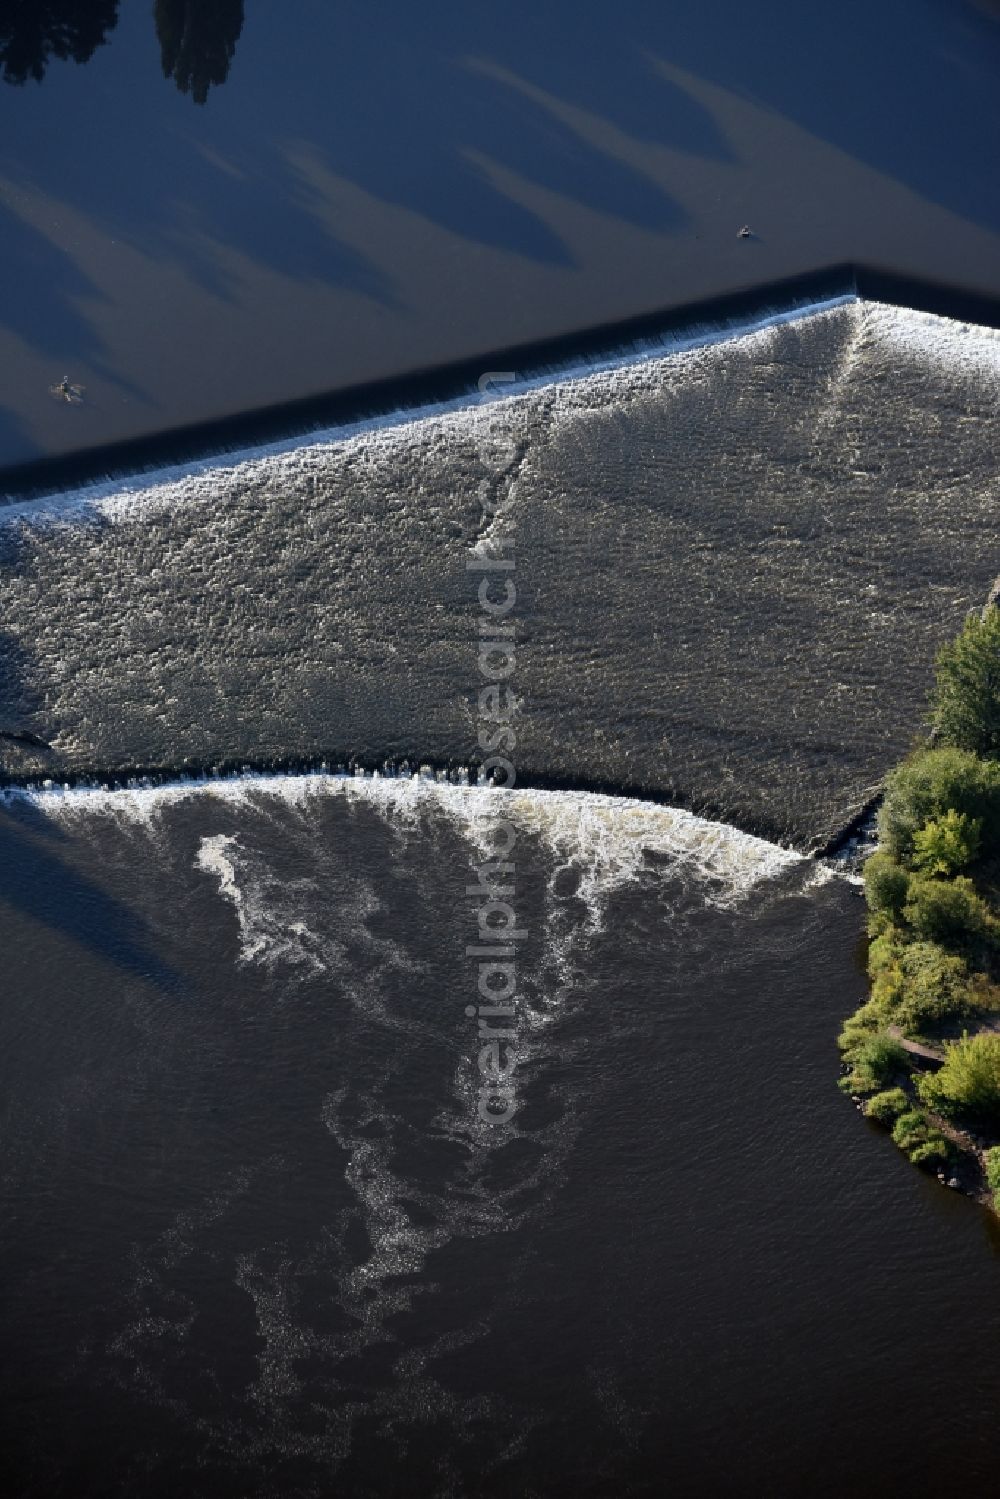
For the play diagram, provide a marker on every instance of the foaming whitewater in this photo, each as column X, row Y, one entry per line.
column 254, row 1104
column 952, row 345
column 593, row 846
column 712, row 543
column 264, row 937
column 118, row 495
column 607, row 839
column 320, row 887
column 959, row 347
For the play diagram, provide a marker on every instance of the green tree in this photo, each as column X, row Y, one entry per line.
column 887, row 1107
column 910, row 1130
column 876, row 1060
column 946, row 911
column 885, row 891
column 967, row 697
column 969, row 1080
column 929, row 784
column 992, row 1164
column 930, row 1153
column 948, row 843
column 918, row 985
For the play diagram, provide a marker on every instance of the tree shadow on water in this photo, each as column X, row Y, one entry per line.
column 36, row 881
column 180, row 205
column 15, row 443
column 39, row 873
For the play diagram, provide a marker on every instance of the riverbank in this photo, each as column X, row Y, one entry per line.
column 962, row 1163
column 922, row 1054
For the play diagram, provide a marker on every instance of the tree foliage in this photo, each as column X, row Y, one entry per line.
column 886, row 1107
column 948, row 843
column 931, row 783
column 969, row 1080
column 932, row 891
column 949, row 912
column 918, row 985
column 886, row 884
column 967, row 696
column 992, row 1165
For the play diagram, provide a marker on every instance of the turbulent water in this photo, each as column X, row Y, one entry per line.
column 259, row 1240
column 259, row 1237
column 713, row 547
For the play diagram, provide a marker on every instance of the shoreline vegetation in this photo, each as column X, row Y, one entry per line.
column 922, row 1053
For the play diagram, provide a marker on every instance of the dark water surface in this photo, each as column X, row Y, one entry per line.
column 365, row 191
column 256, row 1241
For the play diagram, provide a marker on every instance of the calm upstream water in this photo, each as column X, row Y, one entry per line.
column 211, row 206
column 257, row 1241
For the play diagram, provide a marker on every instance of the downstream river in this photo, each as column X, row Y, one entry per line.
column 258, row 1241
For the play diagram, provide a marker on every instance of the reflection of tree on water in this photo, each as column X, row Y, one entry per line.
column 198, row 41
column 32, row 32
column 197, row 37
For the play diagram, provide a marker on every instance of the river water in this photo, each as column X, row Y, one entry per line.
column 258, row 1241
column 257, row 1237
column 217, row 208
column 736, row 555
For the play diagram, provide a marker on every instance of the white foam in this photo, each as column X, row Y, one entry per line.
column 408, row 1215
column 265, row 937
column 169, row 487
column 963, row 348
column 967, row 349
column 956, row 346
column 606, row 837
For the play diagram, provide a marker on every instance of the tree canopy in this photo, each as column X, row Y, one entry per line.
column 967, row 697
